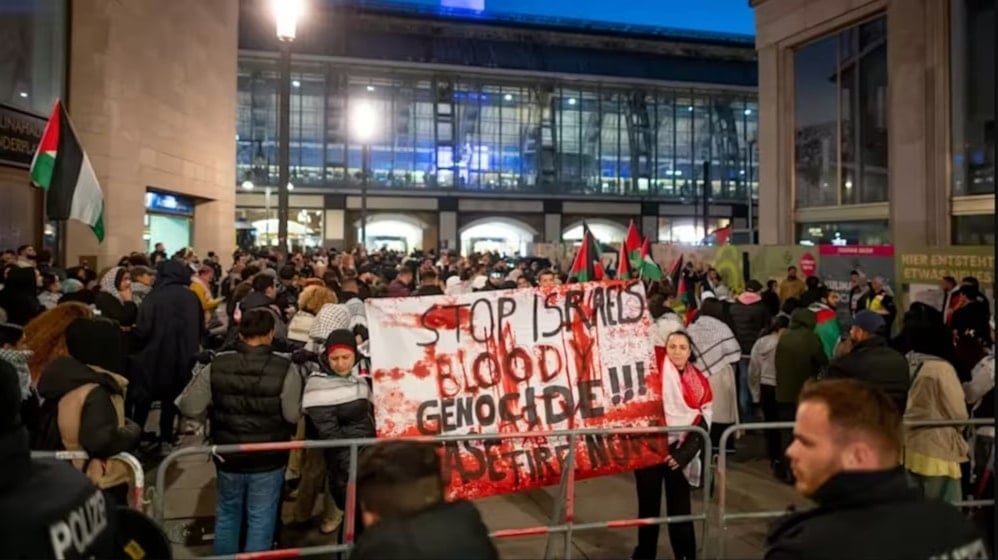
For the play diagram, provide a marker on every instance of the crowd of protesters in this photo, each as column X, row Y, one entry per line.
column 277, row 348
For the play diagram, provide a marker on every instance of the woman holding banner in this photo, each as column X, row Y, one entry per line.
column 687, row 397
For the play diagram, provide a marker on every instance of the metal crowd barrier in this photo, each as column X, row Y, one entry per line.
column 563, row 516
column 723, row 517
column 138, row 490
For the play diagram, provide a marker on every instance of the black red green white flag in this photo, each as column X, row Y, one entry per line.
column 62, row 169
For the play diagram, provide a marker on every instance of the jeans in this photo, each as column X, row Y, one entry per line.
column 256, row 494
column 682, row 536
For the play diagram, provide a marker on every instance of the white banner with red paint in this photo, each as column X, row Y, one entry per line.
column 570, row 357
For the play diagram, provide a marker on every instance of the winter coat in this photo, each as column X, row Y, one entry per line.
column 445, row 531
column 826, row 327
column 169, row 330
column 873, row 514
column 299, row 326
column 256, row 300
column 397, row 289
column 254, row 396
column 799, row 356
column 936, row 394
column 125, row 313
column 84, row 409
column 19, row 296
column 749, row 318
column 40, row 497
column 762, row 365
column 873, row 361
column 772, row 302
column 791, row 288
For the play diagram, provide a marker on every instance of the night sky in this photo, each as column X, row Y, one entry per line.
column 726, row 16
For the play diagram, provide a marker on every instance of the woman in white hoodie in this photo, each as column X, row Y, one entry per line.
column 762, row 385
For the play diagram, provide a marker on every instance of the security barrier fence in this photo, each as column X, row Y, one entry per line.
column 138, row 473
column 562, row 519
column 724, row 517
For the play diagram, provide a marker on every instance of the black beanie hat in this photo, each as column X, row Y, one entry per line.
column 341, row 337
column 96, row 342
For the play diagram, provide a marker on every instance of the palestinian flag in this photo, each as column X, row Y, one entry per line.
column 648, row 268
column 721, row 235
column 679, row 283
column 62, row 169
column 587, row 266
column 632, row 246
column 624, row 264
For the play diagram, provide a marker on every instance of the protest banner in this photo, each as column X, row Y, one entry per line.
column 569, row 357
column 838, row 262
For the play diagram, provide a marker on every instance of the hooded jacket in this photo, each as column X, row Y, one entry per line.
column 874, row 514
column 799, row 356
column 446, row 531
column 169, row 330
column 936, row 394
column 19, row 296
column 873, row 361
column 84, row 409
column 762, row 364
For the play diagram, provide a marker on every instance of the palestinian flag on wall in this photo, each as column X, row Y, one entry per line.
column 62, row 169
column 587, row 266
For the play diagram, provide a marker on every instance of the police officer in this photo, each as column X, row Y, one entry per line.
column 48, row 508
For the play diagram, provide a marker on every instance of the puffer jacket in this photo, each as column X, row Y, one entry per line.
column 749, row 317
column 85, row 409
column 936, row 394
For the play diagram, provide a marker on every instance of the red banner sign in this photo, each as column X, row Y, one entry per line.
column 575, row 356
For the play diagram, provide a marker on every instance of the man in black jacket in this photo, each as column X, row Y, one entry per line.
column 749, row 318
column 254, row 396
column 845, row 456
column 401, row 494
column 873, row 361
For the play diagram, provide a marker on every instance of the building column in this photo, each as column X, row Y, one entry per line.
column 334, row 229
column 649, row 221
column 447, row 231
column 776, row 206
column 552, row 221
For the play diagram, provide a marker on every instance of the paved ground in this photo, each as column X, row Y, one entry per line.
column 190, row 499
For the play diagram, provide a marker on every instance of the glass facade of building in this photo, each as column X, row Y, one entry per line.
column 462, row 132
column 972, row 72
column 840, row 112
column 32, row 54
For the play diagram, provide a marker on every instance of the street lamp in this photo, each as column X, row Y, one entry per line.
column 286, row 15
column 363, row 121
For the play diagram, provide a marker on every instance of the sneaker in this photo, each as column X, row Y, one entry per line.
column 329, row 526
